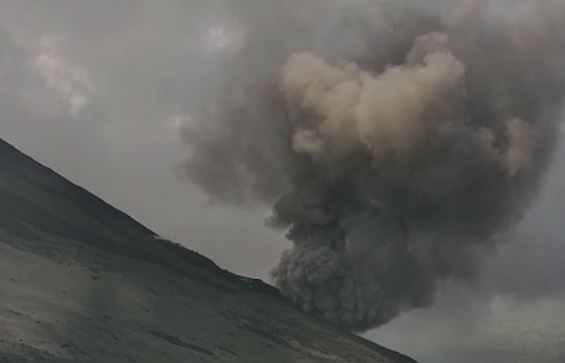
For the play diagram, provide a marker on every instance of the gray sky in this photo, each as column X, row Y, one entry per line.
column 97, row 90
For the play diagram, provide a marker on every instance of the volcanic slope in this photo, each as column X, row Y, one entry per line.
column 82, row 282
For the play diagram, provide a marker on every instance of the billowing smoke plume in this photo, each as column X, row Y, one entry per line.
column 393, row 167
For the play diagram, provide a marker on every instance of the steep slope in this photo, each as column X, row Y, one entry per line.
column 81, row 281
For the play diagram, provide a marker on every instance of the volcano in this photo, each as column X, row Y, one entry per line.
column 83, row 282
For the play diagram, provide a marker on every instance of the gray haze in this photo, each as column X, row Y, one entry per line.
column 99, row 90
column 393, row 164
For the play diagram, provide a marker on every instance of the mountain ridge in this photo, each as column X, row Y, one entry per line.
column 47, row 218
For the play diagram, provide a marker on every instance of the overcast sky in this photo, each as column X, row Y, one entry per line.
column 98, row 90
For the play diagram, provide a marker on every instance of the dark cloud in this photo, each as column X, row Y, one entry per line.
column 394, row 163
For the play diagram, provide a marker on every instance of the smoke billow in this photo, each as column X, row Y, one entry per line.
column 394, row 165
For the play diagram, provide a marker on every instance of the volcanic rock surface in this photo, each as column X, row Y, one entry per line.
column 82, row 282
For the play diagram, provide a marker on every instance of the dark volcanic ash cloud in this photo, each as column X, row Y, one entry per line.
column 392, row 162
